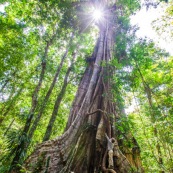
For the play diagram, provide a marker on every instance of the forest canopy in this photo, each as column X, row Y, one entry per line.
column 72, row 72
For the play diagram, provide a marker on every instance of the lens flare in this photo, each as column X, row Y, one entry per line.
column 97, row 14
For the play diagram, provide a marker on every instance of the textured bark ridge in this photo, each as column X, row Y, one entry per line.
column 83, row 146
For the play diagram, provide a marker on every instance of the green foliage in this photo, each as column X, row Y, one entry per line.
column 129, row 5
column 148, row 82
column 27, row 28
column 164, row 25
column 33, row 32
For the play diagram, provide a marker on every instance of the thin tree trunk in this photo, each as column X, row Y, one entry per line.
column 11, row 104
column 45, row 101
column 6, row 82
column 57, row 104
column 21, row 147
column 9, row 127
column 8, row 103
column 153, row 119
column 83, row 147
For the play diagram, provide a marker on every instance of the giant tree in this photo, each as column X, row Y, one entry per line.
column 91, row 124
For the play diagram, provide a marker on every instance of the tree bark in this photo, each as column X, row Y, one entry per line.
column 83, row 146
column 57, row 103
column 22, row 145
column 29, row 131
column 48, row 94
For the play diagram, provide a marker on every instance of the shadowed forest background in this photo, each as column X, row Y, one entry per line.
column 67, row 78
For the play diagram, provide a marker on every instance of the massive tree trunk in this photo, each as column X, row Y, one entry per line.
column 83, row 146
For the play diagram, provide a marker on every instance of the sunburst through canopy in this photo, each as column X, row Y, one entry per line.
column 97, row 14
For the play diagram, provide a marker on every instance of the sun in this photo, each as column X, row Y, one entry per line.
column 97, row 14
